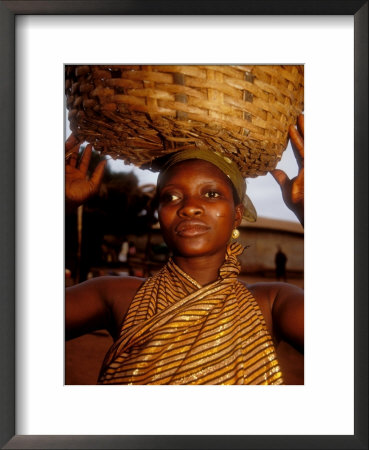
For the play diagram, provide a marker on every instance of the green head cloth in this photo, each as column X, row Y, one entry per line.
column 225, row 164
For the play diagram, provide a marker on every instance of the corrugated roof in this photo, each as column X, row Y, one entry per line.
column 274, row 224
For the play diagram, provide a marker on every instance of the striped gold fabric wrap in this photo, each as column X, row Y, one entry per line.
column 178, row 332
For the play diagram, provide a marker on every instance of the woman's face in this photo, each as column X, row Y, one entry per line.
column 196, row 209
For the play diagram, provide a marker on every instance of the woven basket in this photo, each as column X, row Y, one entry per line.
column 139, row 113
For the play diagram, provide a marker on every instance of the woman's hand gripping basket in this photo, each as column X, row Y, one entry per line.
column 140, row 113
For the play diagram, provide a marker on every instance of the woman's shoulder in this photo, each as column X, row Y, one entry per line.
column 106, row 296
column 269, row 292
column 111, row 286
column 117, row 290
column 264, row 295
column 271, row 295
column 118, row 294
column 115, row 282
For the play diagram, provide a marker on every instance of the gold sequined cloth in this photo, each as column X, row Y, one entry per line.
column 178, row 332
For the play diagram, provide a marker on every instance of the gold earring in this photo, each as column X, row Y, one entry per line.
column 235, row 233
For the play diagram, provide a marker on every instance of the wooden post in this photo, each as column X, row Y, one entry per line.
column 79, row 241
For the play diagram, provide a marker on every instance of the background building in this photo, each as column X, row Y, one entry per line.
column 263, row 238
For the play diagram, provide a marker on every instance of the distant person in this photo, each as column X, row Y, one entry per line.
column 280, row 265
column 124, row 250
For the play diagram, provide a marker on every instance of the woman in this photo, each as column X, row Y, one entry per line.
column 193, row 322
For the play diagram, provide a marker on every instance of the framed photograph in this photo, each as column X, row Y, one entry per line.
column 38, row 410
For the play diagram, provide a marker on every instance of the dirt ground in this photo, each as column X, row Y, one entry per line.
column 84, row 355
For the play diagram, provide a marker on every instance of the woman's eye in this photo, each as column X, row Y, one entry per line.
column 212, row 194
column 169, row 197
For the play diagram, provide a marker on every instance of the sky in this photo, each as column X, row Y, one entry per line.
column 264, row 191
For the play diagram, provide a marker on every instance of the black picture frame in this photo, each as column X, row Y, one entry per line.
column 8, row 11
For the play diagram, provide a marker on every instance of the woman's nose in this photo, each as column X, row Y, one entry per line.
column 190, row 208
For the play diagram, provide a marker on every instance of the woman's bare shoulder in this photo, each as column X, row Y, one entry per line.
column 101, row 301
column 109, row 287
column 268, row 292
column 269, row 295
column 264, row 295
column 282, row 305
column 118, row 294
column 117, row 284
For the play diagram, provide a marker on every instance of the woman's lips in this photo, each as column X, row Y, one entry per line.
column 191, row 228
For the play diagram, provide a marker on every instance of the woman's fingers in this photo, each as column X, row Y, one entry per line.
column 71, row 150
column 85, row 159
column 71, row 142
column 300, row 124
column 297, row 192
column 73, row 158
column 297, row 143
column 78, row 187
column 281, row 178
column 97, row 176
column 71, row 146
column 293, row 190
column 297, row 139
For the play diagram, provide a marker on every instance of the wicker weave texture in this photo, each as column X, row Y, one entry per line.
column 139, row 113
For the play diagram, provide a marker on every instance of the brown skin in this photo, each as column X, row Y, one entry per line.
column 78, row 187
column 197, row 215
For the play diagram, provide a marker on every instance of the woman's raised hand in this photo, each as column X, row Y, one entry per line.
column 293, row 189
column 78, row 187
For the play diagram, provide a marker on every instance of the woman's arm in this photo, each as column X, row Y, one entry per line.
column 282, row 306
column 287, row 304
column 288, row 315
column 100, row 303
column 86, row 309
column 86, row 305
